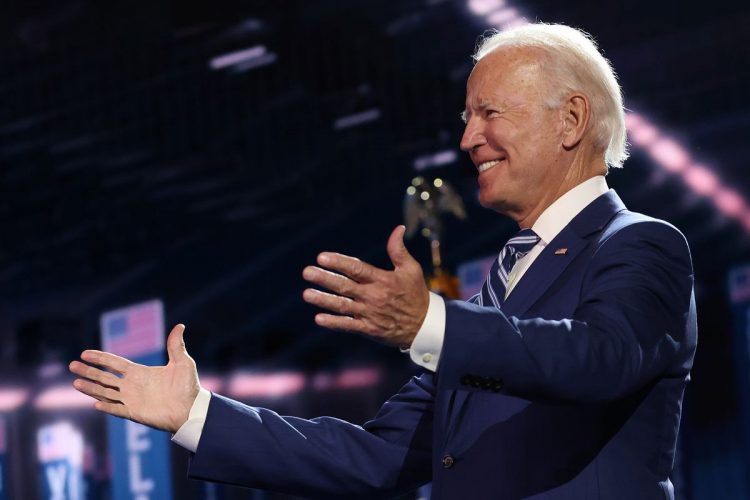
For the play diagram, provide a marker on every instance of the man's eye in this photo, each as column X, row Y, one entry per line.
column 491, row 112
column 463, row 116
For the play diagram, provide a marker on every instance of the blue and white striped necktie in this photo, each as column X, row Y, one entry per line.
column 493, row 291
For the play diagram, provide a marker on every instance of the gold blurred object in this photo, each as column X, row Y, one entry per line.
column 425, row 202
column 444, row 284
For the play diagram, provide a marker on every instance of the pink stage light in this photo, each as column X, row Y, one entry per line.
column 237, row 57
column 502, row 16
column 62, row 397
column 518, row 21
column 212, row 383
column 356, row 119
column 496, row 13
column 435, row 159
column 633, row 120
column 642, row 134
column 701, row 180
column 12, row 398
column 351, row 378
column 669, row 154
column 730, row 203
column 358, row 377
column 267, row 385
column 482, row 7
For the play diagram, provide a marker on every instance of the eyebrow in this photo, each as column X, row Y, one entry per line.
column 484, row 104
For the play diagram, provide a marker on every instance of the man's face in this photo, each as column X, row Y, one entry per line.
column 514, row 140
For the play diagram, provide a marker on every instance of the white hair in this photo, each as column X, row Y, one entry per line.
column 573, row 63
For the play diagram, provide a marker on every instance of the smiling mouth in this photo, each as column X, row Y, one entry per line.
column 484, row 166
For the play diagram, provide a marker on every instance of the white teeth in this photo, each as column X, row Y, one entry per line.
column 487, row 165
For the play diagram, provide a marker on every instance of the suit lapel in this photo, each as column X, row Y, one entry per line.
column 560, row 252
column 546, row 269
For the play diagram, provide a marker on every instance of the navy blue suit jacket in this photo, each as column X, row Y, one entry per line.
column 572, row 391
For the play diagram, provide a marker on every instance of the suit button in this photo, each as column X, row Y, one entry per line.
column 448, row 462
column 497, row 385
column 476, row 382
column 488, row 384
column 465, row 379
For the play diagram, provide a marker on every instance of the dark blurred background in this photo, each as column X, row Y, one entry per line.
column 204, row 153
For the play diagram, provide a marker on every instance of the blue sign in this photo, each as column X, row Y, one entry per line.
column 140, row 461
column 141, row 468
column 472, row 275
column 60, row 454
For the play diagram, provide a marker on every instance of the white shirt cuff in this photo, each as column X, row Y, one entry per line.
column 189, row 435
column 427, row 345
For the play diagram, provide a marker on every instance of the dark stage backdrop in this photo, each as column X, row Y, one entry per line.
column 203, row 153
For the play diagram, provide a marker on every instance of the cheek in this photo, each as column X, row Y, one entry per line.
column 544, row 144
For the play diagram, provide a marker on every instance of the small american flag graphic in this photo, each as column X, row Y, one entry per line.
column 51, row 444
column 135, row 330
column 59, row 441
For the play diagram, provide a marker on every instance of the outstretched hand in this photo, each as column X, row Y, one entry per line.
column 157, row 396
column 387, row 305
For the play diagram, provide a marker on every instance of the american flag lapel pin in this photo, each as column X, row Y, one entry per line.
column 561, row 251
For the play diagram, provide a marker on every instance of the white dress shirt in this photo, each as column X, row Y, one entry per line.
column 428, row 344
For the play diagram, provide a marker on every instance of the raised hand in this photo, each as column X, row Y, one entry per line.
column 387, row 305
column 157, row 396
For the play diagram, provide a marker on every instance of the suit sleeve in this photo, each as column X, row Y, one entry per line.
column 634, row 323
column 323, row 457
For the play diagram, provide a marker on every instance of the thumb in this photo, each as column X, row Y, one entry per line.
column 176, row 343
column 396, row 249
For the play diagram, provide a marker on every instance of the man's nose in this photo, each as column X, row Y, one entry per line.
column 473, row 137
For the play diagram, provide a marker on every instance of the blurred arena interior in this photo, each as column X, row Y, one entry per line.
column 201, row 154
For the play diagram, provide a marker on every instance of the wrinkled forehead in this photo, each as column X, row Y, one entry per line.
column 507, row 62
column 505, row 71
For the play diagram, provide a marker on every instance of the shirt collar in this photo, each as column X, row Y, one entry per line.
column 566, row 207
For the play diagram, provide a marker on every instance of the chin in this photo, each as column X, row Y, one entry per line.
column 496, row 205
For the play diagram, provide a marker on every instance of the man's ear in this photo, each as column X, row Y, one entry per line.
column 576, row 114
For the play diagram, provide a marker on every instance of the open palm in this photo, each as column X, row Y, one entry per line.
column 157, row 396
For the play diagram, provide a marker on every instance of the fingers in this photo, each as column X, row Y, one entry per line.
column 353, row 268
column 95, row 374
column 176, row 343
column 341, row 323
column 332, row 281
column 364, row 298
column 97, row 391
column 116, row 409
column 109, row 361
column 396, row 249
column 335, row 303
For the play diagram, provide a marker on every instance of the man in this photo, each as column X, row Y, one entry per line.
column 562, row 379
